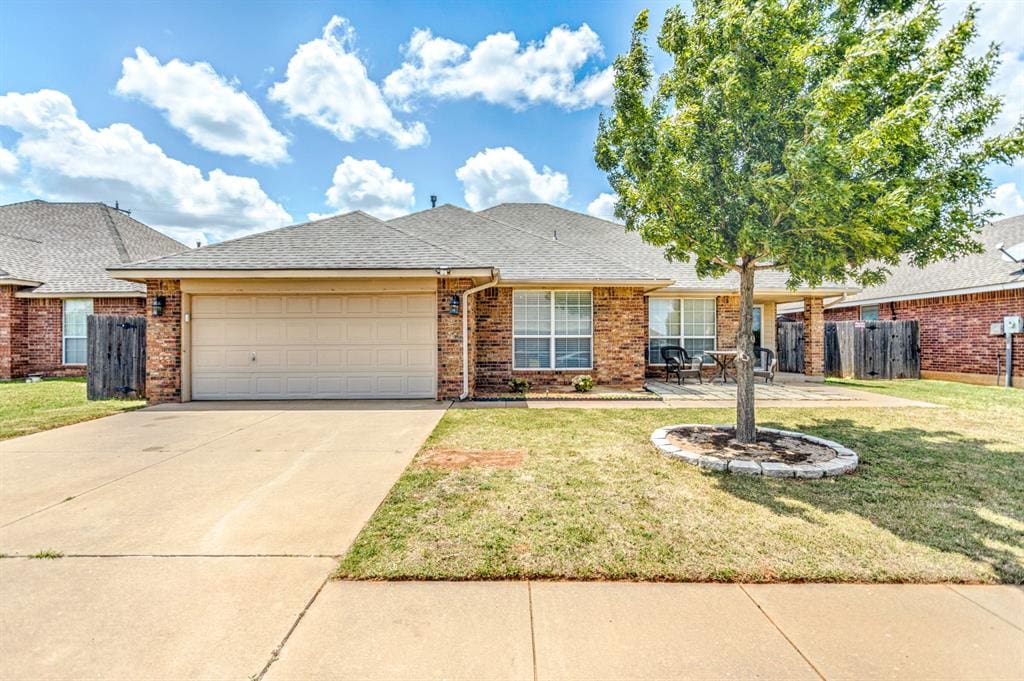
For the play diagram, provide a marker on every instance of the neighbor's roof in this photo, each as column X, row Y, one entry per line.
column 519, row 254
column 601, row 236
column 65, row 248
column 352, row 241
column 985, row 271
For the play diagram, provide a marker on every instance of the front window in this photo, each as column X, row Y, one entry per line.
column 76, row 311
column 552, row 329
column 869, row 313
column 689, row 322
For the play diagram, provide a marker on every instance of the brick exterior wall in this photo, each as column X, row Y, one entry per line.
column 954, row 331
column 163, row 343
column 31, row 333
column 727, row 320
column 449, row 338
column 814, row 337
column 619, row 327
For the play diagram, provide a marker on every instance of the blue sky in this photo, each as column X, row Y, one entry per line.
column 212, row 120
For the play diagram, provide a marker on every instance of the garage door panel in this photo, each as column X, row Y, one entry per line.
column 313, row 346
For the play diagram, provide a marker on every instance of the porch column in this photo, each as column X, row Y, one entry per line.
column 814, row 337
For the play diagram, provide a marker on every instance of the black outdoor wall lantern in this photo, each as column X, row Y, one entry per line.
column 453, row 307
column 158, row 305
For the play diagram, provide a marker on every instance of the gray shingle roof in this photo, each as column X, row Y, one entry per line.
column 974, row 271
column 68, row 246
column 601, row 236
column 519, row 254
column 353, row 241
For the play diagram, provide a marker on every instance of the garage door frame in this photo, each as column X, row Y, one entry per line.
column 221, row 287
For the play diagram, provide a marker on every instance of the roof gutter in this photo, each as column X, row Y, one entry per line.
column 1009, row 286
column 142, row 274
column 465, row 330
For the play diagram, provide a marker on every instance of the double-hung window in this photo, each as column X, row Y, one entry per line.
column 689, row 322
column 76, row 311
column 552, row 329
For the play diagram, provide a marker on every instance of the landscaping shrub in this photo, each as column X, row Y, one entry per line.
column 519, row 385
column 583, row 383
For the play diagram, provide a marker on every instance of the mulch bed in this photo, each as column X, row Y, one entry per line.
column 770, row 447
column 454, row 459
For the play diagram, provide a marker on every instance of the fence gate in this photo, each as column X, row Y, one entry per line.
column 790, row 340
column 872, row 349
column 116, row 357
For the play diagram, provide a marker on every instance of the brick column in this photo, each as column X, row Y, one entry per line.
column 8, row 314
column 727, row 321
column 620, row 317
column 163, row 342
column 449, row 339
column 814, row 337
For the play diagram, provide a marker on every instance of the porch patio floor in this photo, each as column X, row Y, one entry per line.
column 691, row 390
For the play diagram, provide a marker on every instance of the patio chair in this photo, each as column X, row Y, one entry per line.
column 770, row 364
column 679, row 363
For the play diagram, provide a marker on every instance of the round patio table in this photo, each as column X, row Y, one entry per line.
column 726, row 361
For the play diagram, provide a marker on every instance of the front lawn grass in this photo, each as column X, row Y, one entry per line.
column 939, row 496
column 31, row 407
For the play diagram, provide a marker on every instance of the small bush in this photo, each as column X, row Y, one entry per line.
column 583, row 383
column 519, row 385
column 48, row 554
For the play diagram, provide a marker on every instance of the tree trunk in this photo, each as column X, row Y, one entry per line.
column 745, row 425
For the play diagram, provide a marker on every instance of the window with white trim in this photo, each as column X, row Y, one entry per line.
column 552, row 329
column 76, row 312
column 869, row 313
column 689, row 322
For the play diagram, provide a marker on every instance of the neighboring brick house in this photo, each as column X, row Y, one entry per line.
column 441, row 303
column 53, row 259
column 955, row 302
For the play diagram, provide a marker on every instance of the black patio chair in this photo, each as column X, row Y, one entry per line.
column 770, row 364
column 678, row 362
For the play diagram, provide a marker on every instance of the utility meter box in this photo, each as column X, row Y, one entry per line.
column 1013, row 324
column 995, row 329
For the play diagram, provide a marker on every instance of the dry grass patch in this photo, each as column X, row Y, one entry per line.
column 936, row 498
column 453, row 459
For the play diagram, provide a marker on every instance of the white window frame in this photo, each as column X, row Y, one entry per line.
column 657, row 361
column 552, row 336
column 64, row 330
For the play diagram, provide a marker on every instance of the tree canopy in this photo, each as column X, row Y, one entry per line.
column 824, row 138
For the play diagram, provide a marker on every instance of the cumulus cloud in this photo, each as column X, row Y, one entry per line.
column 9, row 165
column 500, row 70
column 364, row 184
column 603, row 207
column 71, row 161
column 1007, row 201
column 327, row 84
column 504, row 175
column 212, row 112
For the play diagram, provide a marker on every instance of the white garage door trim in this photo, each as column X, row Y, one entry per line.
column 314, row 346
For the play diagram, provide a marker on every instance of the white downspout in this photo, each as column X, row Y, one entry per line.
column 465, row 332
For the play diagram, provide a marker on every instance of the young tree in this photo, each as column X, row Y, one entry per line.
column 825, row 138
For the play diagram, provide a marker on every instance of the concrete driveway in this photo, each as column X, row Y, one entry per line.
column 194, row 535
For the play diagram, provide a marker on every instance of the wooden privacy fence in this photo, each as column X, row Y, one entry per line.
column 858, row 349
column 116, row 357
column 790, row 341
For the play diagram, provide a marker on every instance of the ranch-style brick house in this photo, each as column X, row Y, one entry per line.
column 444, row 303
column 53, row 260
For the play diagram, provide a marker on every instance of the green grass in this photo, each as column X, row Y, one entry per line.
column 48, row 554
column 939, row 496
column 31, row 407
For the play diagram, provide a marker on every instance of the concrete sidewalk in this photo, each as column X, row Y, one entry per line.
column 564, row 630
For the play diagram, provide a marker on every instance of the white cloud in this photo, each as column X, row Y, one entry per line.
column 501, row 71
column 503, row 175
column 1007, row 201
column 71, row 161
column 212, row 112
column 9, row 165
column 327, row 84
column 368, row 186
column 603, row 207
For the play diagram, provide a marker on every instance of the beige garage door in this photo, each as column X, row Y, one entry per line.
column 313, row 346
